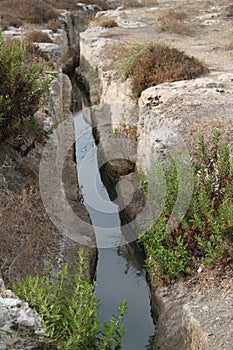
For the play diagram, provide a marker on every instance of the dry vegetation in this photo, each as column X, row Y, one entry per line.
column 18, row 12
column 38, row 36
column 229, row 10
column 138, row 3
column 54, row 25
column 26, row 232
column 103, row 21
column 155, row 63
column 174, row 20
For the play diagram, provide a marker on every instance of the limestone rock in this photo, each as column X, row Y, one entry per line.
column 53, row 51
column 20, row 326
column 205, row 327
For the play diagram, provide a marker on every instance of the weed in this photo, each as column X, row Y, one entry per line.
column 68, row 308
column 143, row 181
column 116, row 133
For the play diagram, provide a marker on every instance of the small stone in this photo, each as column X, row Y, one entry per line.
column 199, row 270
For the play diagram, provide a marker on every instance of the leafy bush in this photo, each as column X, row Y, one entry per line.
column 205, row 234
column 68, row 309
column 153, row 64
column 166, row 256
column 209, row 219
column 23, row 83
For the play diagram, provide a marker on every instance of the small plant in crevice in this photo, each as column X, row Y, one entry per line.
column 116, row 133
column 143, row 181
column 205, row 234
column 68, row 308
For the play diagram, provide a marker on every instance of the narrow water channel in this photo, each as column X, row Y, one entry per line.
column 116, row 277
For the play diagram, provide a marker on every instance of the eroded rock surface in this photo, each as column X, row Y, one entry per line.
column 20, row 326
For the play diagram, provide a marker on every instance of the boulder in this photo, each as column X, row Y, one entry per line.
column 20, row 326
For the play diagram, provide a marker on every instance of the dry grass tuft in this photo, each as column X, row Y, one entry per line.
column 229, row 10
column 54, row 25
column 152, row 64
column 38, row 37
column 138, row 3
column 103, row 21
column 25, row 233
column 15, row 12
column 173, row 20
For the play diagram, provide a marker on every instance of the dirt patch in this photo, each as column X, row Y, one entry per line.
column 29, row 240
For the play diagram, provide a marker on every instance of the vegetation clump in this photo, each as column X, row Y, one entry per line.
column 173, row 20
column 205, row 233
column 68, row 308
column 38, row 36
column 103, row 21
column 155, row 63
column 23, row 84
column 16, row 13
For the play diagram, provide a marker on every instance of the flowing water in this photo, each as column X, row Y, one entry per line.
column 119, row 274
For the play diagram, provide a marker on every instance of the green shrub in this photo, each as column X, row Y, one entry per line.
column 167, row 257
column 209, row 219
column 23, row 83
column 69, row 311
column 205, row 233
column 152, row 64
